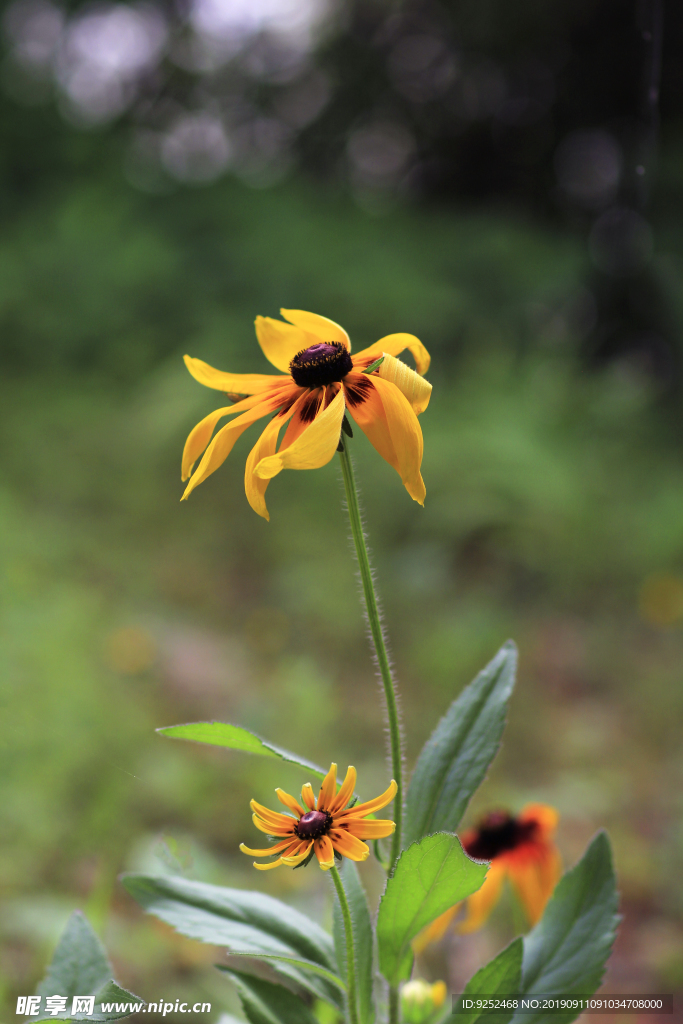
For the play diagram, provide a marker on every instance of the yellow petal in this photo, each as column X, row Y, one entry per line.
column 345, row 793
column 480, row 904
column 280, row 342
column 534, row 880
column 236, row 383
column 285, row 844
column 224, row 441
column 201, row 434
column 290, row 802
column 308, row 796
column 315, row 447
column 299, row 853
column 377, row 829
column 439, row 993
column 416, row 389
column 406, row 436
column 324, row 851
column 394, row 344
column 269, row 867
column 255, row 486
column 370, row 806
column 274, row 818
column 348, row 845
column 327, row 789
column 269, row 829
column 322, row 328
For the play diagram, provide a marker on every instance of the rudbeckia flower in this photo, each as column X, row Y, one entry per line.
column 521, row 849
column 327, row 827
column 319, row 381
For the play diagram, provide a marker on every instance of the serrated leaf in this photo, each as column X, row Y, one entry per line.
column 266, row 1003
column 501, row 977
column 456, row 757
column 235, row 737
column 79, row 966
column 430, row 877
column 362, row 939
column 247, row 924
column 567, row 950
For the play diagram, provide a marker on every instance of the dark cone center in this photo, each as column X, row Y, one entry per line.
column 499, row 833
column 320, row 364
column 313, row 825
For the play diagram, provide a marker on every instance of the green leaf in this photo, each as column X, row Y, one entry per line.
column 501, row 977
column 362, row 939
column 456, row 757
column 222, row 734
column 247, row 924
column 266, row 1003
column 430, row 877
column 80, row 967
column 567, row 951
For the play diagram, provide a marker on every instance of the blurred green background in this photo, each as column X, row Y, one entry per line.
column 553, row 464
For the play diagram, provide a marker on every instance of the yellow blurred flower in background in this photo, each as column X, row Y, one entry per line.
column 320, row 381
column 520, row 849
column 328, row 827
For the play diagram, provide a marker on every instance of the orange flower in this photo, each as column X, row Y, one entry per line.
column 521, row 849
column 321, row 381
column 327, row 827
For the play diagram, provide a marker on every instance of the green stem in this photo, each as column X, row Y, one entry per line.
column 394, row 1005
column 380, row 647
column 351, row 998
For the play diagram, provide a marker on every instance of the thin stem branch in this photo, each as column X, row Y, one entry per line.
column 379, row 644
column 351, row 998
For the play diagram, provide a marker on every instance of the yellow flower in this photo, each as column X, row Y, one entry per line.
column 420, row 1000
column 325, row 827
column 521, row 849
column 321, row 381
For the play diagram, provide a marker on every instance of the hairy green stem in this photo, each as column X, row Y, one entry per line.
column 351, row 998
column 394, row 1004
column 378, row 641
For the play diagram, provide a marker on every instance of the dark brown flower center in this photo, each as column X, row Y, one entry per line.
column 498, row 833
column 313, row 825
column 320, row 364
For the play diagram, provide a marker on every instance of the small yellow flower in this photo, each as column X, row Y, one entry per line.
column 521, row 849
column 420, row 1000
column 320, row 381
column 322, row 827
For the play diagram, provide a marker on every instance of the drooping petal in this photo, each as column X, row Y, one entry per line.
column 255, row 486
column 370, row 806
column 436, row 930
column 268, row 867
column 280, row 342
column 308, row 796
column 377, row 829
column 406, row 436
column 480, row 904
column 534, row 878
column 290, row 802
column 348, row 845
column 269, row 829
column 235, row 383
column 314, row 448
column 320, row 326
column 297, row 853
column 304, row 414
column 416, row 389
column 222, row 444
column 394, row 344
column 269, row 851
column 324, row 851
column 328, row 789
column 200, row 435
column 345, row 793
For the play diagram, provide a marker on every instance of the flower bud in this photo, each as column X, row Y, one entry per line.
column 417, row 390
column 420, row 1000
